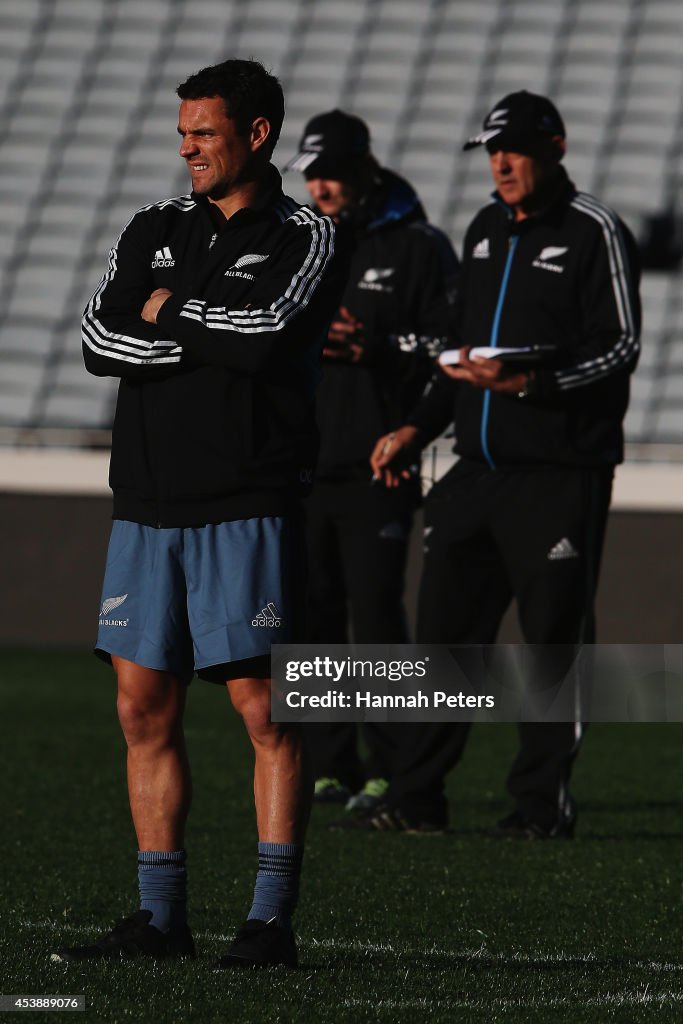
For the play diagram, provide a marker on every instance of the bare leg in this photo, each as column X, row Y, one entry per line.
column 150, row 707
column 283, row 780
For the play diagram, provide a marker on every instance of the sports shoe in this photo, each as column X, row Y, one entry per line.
column 260, row 944
column 517, row 826
column 385, row 818
column 133, row 937
column 369, row 797
column 330, row 791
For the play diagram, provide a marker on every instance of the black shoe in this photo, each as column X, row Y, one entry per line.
column 517, row 826
column 387, row 818
column 260, row 944
column 133, row 937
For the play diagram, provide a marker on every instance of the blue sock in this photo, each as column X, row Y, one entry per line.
column 162, row 879
column 277, row 883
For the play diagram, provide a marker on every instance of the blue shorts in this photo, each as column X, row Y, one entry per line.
column 202, row 598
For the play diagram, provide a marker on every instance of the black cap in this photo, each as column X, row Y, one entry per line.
column 519, row 119
column 332, row 146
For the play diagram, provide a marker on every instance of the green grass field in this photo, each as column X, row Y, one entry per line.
column 392, row 927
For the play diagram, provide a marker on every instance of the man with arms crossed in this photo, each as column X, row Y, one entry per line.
column 212, row 313
column 523, row 512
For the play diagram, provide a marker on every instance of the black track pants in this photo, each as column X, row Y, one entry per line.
column 358, row 536
column 532, row 534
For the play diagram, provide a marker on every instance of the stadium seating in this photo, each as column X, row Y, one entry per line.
column 87, row 94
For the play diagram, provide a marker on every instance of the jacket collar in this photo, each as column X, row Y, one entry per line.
column 392, row 200
column 263, row 207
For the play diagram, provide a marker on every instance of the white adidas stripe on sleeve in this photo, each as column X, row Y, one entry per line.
column 627, row 345
column 127, row 348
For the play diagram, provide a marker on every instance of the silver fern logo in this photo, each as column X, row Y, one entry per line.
column 250, row 257
column 247, row 260
column 111, row 603
column 551, row 252
column 312, row 143
column 374, row 276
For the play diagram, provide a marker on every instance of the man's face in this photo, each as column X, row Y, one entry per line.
column 331, row 197
column 215, row 153
column 519, row 177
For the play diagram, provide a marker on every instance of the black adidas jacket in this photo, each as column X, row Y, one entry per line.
column 402, row 287
column 569, row 278
column 215, row 414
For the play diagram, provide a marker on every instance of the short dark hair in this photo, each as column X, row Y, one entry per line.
column 247, row 90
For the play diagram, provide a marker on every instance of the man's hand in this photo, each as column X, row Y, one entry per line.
column 154, row 304
column 487, row 373
column 389, row 459
column 345, row 337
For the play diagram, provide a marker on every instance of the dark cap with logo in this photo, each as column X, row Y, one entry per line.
column 517, row 120
column 333, row 146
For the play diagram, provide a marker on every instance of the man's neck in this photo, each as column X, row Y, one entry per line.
column 247, row 193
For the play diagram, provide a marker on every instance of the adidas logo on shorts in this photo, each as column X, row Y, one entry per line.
column 268, row 617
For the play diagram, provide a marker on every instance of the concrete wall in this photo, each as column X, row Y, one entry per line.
column 52, row 551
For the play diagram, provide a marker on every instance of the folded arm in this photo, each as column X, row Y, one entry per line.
column 291, row 302
column 117, row 342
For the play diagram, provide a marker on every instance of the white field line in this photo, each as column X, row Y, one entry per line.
column 484, row 954
column 355, row 945
column 618, row 999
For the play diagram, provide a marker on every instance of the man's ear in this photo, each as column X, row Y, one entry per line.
column 260, row 131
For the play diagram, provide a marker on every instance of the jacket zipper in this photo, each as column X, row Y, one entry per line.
column 493, row 343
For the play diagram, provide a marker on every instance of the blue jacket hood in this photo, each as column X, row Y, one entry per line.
column 393, row 200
